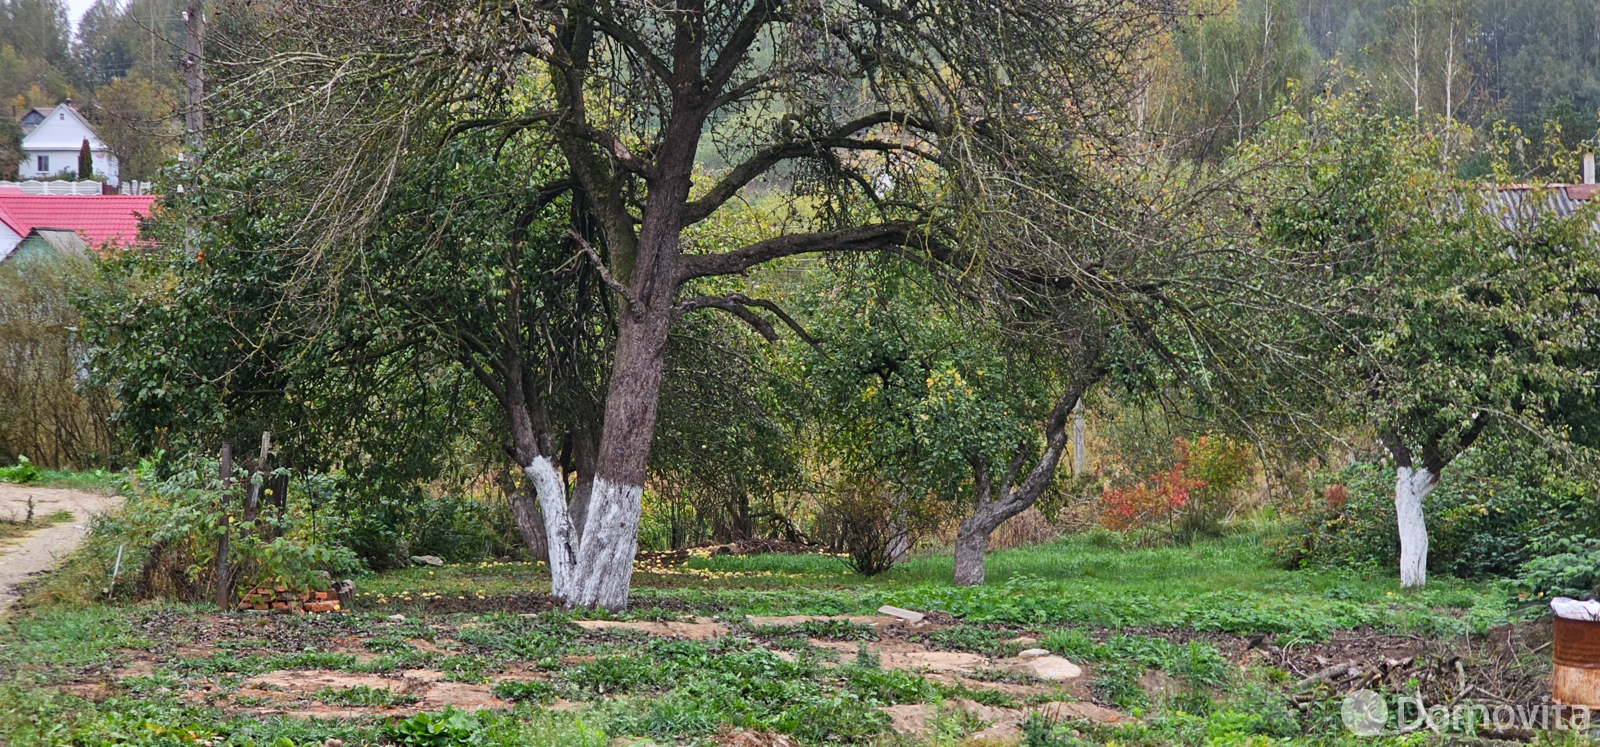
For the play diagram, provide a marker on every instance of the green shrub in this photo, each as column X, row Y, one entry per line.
column 889, row 686
column 1117, row 682
column 1570, row 569
column 1494, row 509
column 1070, row 643
column 611, row 675
column 460, row 530
column 167, row 531
column 22, row 472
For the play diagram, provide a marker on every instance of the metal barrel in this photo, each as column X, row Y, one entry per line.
column 1577, row 662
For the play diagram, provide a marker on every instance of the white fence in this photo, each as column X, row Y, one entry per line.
column 56, row 188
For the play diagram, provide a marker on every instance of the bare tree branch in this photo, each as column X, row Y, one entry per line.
column 605, row 274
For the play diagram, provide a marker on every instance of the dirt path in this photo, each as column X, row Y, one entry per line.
column 40, row 550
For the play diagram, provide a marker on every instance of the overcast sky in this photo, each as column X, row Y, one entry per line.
column 76, row 9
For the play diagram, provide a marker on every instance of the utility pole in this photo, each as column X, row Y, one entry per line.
column 194, row 89
column 194, row 81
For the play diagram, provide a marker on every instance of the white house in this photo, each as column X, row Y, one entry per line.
column 53, row 144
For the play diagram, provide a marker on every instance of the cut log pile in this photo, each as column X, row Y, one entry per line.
column 286, row 601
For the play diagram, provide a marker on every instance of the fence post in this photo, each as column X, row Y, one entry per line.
column 224, row 583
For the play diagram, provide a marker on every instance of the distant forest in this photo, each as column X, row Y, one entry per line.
column 1521, row 76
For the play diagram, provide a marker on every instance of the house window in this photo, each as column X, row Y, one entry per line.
column 44, row 164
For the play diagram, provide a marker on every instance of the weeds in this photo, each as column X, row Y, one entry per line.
column 673, row 690
column 364, row 696
column 541, row 693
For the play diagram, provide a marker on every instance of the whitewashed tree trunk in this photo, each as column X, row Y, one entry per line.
column 1411, row 486
column 610, row 540
column 552, row 492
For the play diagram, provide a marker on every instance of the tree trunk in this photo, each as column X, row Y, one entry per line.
column 972, row 539
column 604, row 560
column 525, row 511
column 560, row 543
column 1411, row 486
column 899, row 540
column 1012, row 498
column 583, row 463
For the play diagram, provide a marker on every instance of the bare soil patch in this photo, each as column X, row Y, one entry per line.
column 40, row 551
column 295, row 694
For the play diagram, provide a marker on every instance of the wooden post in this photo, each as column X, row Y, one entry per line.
column 1077, row 439
column 224, row 583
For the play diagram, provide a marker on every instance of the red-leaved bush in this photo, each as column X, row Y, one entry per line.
column 1154, row 501
column 1192, row 498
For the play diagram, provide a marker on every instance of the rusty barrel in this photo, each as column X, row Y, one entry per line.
column 1577, row 659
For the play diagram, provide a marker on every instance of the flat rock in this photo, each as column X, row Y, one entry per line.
column 1082, row 712
column 1052, row 668
column 744, row 738
column 792, row 620
column 702, row 629
column 992, row 714
column 1033, row 653
column 432, row 693
column 999, row 735
column 903, row 614
column 1022, row 692
column 909, row 718
column 433, row 560
column 896, row 654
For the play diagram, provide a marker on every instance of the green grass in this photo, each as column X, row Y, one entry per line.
column 1224, row 585
column 18, row 527
column 1077, row 597
column 1221, row 585
column 92, row 480
column 361, row 695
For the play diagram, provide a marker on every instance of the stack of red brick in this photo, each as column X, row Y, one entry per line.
column 287, row 601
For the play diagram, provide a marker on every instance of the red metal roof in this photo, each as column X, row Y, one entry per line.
column 100, row 219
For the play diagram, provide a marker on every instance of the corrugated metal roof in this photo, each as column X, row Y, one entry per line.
column 100, row 219
column 1516, row 204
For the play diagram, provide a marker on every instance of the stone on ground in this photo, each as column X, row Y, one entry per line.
column 433, row 560
column 904, row 614
column 909, row 718
column 1000, row 735
column 1082, row 712
column 1033, row 653
column 284, row 688
column 742, row 738
column 1051, row 668
column 1004, row 724
column 702, row 629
